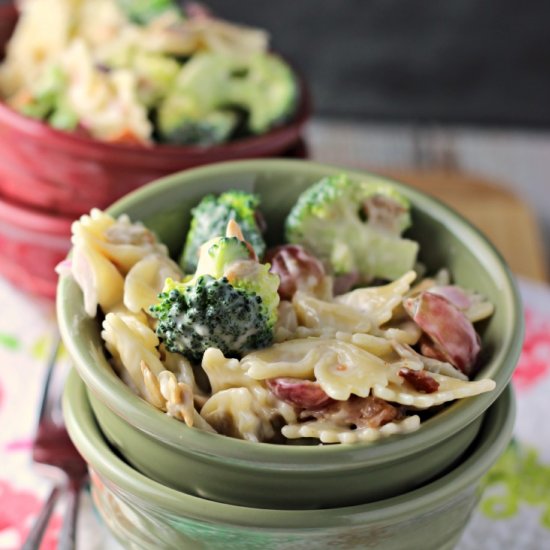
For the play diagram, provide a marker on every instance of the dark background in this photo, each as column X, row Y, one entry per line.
column 480, row 62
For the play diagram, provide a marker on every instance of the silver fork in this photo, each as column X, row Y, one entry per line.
column 52, row 447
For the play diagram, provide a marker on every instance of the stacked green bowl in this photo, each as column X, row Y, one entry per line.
column 145, row 514
column 300, row 477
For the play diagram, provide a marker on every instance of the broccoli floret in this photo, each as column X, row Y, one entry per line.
column 267, row 90
column 195, row 112
column 49, row 101
column 211, row 89
column 180, row 122
column 144, row 11
column 218, row 253
column 156, row 73
column 210, row 218
column 230, row 303
column 354, row 227
column 63, row 117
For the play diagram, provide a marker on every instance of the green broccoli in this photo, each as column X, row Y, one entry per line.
column 194, row 111
column 354, row 227
column 144, row 11
column 230, row 303
column 267, row 90
column 210, row 218
column 213, row 91
column 49, row 101
column 181, row 122
column 156, row 73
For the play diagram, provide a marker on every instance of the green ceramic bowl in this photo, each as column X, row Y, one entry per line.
column 144, row 514
column 270, row 476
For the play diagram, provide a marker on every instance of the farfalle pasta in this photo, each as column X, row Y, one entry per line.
column 449, row 389
column 340, row 368
column 279, row 353
column 104, row 251
column 239, row 404
column 335, row 432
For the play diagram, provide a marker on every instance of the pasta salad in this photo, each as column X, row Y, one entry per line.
column 332, row 336
column 144, row 71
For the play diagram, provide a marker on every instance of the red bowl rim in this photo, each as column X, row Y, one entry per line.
column 22, row 216
column 237, row 148
column 27, row 281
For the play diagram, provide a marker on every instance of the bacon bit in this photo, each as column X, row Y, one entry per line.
column 420, row 380
column 361, row 412
column 384, row 213
column 303, row 394
column 297, row 269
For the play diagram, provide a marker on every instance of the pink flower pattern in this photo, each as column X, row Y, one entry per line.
column 534, row 362
column 18, row 510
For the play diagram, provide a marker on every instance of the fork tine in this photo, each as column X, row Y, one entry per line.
column 52, row 359
column 38, row 529
column 36, row 534
column 67, row 536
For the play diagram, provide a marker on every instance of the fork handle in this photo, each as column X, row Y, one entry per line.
column 67, row 536
column 36, row 534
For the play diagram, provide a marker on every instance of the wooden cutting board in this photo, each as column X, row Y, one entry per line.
column 504, row 218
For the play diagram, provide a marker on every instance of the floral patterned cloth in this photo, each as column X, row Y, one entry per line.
column 514, row 511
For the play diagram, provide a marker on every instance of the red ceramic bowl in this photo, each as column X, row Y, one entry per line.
column 70, row 174
column 32, row 243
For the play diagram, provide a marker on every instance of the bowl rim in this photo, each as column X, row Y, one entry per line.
column 239, row 147
column 494, row 436
column 28, row 217
column 121, row 400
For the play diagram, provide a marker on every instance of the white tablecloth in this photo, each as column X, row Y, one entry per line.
column 514, row 513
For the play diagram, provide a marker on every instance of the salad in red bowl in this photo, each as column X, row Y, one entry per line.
column 144, row 72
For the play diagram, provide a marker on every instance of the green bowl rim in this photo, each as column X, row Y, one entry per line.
column 494, row 436
column 119, row 398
